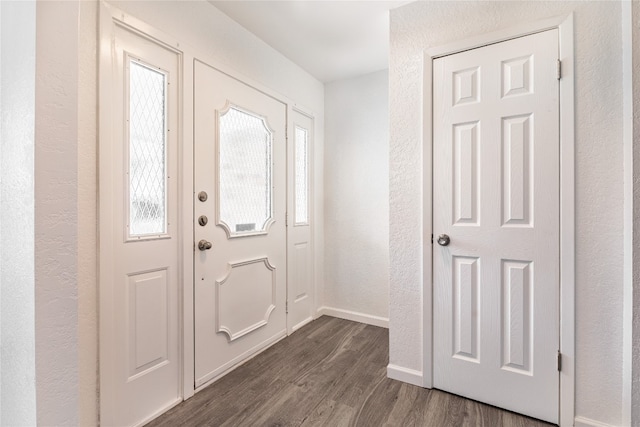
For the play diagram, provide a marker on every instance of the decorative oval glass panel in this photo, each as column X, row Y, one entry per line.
column 244, row 173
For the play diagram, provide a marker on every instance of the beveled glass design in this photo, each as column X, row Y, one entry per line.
column 147, row 150
column 301, row 183
column 245, row 183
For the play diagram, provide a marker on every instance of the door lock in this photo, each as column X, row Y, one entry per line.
column 203, row 196
column 203, row 245
column 203, row 220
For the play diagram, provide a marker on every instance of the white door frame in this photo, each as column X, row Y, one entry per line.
column 567, row 197
column 108, row 17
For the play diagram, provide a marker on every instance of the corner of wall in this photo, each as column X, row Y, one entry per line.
column 56, row 204
column 17, row 213
column 88, row 336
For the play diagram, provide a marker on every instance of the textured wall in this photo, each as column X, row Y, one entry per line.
column 211, row 32
column 17, row 88
column 599, row 179
column 87, row 215
column 357, row 194
column 56, row 198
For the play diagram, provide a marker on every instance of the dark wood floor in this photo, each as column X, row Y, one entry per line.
column 332, row 372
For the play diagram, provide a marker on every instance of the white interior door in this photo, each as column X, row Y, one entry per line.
column 496, row 197
column 140, row 365
column 240, row 234
column 300, row 307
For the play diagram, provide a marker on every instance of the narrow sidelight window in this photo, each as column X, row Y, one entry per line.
column 147, row 150
column 301, row 183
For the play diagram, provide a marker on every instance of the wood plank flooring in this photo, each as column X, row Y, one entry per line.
column 332, row 372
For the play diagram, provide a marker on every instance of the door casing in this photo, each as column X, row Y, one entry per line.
column 564, row 25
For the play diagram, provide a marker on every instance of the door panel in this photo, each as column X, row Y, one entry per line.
column 240, row 164
column 140, row 363
column 301, row 296
column 496, row 195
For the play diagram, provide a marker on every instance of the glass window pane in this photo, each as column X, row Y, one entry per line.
column 147, row 148
column 301, row 176
column 245, row 172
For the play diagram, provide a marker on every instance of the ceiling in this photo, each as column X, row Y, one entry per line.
column 331, row 40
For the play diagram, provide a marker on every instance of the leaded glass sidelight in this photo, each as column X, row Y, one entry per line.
column 245, row 185
column 301, row 176
column 147, row 150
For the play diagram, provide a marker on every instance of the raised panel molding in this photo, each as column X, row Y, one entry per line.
column 466, row 171
column 466, row 86
column 148, row 321
column 245, row 297
column 466, row 308
column 517, row 307
column 301, row 275
column 517, row 76
column 517, row 167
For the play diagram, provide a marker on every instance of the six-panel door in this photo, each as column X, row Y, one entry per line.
column 496, row 196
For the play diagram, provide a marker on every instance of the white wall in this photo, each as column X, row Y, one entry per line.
column 599, row 177
column 204, row 28
column 56, row 223
column 357, row 197
column 211, row 32
column 17, row 110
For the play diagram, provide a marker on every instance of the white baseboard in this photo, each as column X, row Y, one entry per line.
column 369, row 319
column 405, row 375
column 303, row 323
column 588, row 422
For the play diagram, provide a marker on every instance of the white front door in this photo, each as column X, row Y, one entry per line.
column 140, row 367
column 240, row 233
column 496, row 198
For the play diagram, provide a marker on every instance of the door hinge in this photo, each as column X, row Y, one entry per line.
column 286, row 307
column 559, row 69
column 559, row 361
column 286, row 219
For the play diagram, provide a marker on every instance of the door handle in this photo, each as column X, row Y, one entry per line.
column 203, row 245
column 444, row 240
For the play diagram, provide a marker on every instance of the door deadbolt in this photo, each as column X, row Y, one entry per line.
column 203, row 245
column 202, row 196
column 443, row 240
column 203, row 220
